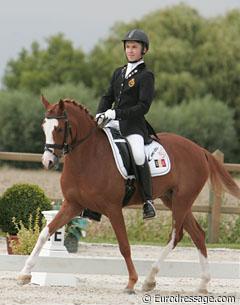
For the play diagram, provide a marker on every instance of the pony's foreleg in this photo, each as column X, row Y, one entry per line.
column 118, row 224
column 66, row 213
column 25, row 274
column 150, row 281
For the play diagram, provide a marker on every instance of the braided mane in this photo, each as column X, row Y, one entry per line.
column 70, row 101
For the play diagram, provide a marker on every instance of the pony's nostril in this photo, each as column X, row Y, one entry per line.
column 50, row 164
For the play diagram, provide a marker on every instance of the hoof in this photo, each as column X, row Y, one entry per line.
column 24, row 279
column 129, row 291
column 202, row 291
column 148, row 286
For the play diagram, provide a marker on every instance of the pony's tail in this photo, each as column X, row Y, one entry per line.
column 220, row 178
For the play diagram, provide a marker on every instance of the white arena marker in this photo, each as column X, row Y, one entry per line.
column 54, row 247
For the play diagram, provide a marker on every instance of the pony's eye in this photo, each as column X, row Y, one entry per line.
column 59, row 129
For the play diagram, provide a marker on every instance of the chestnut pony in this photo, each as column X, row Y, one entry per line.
column 90, row 179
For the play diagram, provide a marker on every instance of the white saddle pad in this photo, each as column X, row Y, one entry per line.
column 157, row 157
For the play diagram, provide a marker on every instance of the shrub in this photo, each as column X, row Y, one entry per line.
column 229, row 229
column 139, row 231
column 158, row 230
column 20, row 122
column 20, row 201
column 22, row 113
column 27, row 235
column 80, row 93
column 235, row 232
column 205, row 121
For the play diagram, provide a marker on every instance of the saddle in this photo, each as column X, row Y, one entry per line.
column 158, row 160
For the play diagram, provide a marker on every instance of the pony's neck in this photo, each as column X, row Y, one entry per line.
column 80, row 118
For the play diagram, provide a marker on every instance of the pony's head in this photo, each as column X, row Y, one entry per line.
column 63, row 130
column 58, row 132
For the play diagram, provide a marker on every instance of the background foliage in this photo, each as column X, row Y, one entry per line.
column 196, row 62
column 158, row 231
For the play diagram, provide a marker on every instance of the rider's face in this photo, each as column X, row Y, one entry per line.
column 133, row 50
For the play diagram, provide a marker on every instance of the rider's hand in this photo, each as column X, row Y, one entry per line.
column 99, row 117
column 110, row 114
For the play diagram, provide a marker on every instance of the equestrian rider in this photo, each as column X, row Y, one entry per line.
column 127, row 100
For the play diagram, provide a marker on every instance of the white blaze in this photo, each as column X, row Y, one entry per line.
column 48, row 127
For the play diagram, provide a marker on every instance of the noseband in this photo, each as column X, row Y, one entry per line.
column 65, row 147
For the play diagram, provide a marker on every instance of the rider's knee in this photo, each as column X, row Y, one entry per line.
column 139, row 157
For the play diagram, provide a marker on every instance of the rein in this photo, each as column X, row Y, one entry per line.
column 65, row 147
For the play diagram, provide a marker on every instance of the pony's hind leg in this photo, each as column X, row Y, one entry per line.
column 198, row 237
column 150, row 281
column 66, row 213
column 178, row 215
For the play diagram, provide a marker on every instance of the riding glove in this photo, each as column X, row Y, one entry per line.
column 110, row 114
column 99, row 118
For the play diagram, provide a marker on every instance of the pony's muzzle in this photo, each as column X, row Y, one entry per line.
column 49, row 160
column 50, row 164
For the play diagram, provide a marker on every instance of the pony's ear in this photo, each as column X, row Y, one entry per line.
column 61, row 105
column 45, row 102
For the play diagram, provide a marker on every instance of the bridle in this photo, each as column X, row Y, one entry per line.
column 66, row 147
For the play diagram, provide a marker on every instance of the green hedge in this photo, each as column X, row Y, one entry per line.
column 206, row 121
column 20, row 201
column 22, row 113
column 20, row 122
column 80, row 93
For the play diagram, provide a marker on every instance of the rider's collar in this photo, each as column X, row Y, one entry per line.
column 132, row 65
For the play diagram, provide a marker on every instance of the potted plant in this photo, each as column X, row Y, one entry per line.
column 75, row 230
column 27, row 235
column 19, row 202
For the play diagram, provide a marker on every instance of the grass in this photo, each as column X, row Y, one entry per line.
column 112, row 240
column 156, row 231
column 2, row 234
column 149, row 243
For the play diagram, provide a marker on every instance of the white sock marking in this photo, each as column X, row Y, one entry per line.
column 31, row 261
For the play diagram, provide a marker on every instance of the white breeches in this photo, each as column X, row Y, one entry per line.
column 136, row 142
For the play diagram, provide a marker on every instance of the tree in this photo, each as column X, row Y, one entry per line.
column 206, row 121
column 20, row 122
column 173, row 33
column 22, row 113
column 191, row 56
column 80, row 93
column 217, row 61
column 39, row 68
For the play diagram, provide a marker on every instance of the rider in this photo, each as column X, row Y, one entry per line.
column 127, row 100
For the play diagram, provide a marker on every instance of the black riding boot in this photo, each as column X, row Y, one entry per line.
column 144, row 177
column 87, row 213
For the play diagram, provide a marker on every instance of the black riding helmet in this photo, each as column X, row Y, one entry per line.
column 137, row 35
